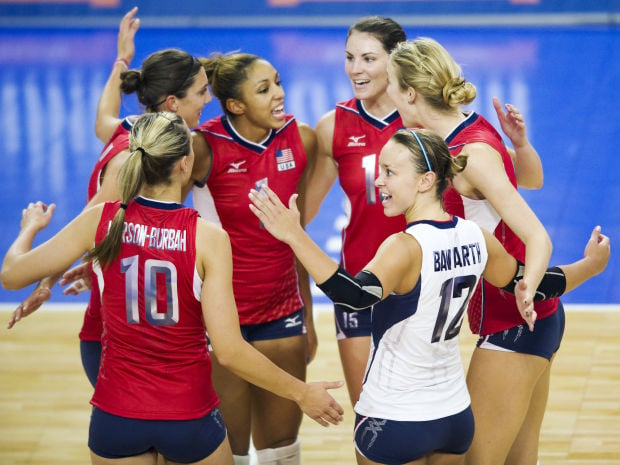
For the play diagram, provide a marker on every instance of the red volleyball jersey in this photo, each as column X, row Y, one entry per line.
column 117, row 143
column 490, row 309
column 91, row 326
column 264, row 275
column 155, row 363
column 358, row 140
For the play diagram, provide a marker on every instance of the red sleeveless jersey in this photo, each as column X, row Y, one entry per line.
column 358, row 140
column 91, row 326
column 490, row 309
column 264, row 274
column 155, row 363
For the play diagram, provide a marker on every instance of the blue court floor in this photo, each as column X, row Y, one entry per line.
column 565, row 80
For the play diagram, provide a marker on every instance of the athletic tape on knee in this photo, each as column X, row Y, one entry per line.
column 286, row 455
column 241, row 459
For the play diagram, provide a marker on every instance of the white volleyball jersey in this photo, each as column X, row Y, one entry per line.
column 414, row 372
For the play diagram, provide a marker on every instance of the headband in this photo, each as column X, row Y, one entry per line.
column 428, row 163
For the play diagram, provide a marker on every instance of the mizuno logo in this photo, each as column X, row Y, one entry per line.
column 293, row 321
column 235, row 167
column 354, row 141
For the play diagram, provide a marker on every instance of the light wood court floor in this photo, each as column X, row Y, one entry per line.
column 44, row 394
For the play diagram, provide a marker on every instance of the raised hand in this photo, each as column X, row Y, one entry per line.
column 126, row 47
column 280, row 221
column 597, row 251
column 37, row 215
column 511, row 122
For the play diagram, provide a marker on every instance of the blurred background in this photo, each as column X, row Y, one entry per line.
column 557, row 61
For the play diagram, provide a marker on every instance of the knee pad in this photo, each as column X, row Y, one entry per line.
column 286, row 455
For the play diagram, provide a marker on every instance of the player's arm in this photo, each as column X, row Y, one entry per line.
column 504, row 271
column 203, row 157
column 214, row 263
column 395, row 267
column 23, row 265
column 322, row 171
column 561, row 279
column 109, row 106
column 485, row 177
column 305, row 189
column 525, row 158
column 110, row 189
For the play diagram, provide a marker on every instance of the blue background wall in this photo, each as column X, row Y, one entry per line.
column 564, row 79
column 309, row 12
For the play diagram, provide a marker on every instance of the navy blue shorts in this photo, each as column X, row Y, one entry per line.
column 544, row 341
column 287, row 326
column 351, row 323
column 90, row 352
column 396, row 442
column 183, row 441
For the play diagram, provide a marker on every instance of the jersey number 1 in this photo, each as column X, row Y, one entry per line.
column 370, row 174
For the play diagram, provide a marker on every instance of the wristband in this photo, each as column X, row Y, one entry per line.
column 123, row 61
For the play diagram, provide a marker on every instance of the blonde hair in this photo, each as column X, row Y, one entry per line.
column 156, row 142
column 428, row 67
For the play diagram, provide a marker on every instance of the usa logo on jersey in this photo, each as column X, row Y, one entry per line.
column 284, row 159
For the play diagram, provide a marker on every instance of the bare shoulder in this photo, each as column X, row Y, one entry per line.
column 208, row 232
column 213, row 250
column 397, row 263
column 202, row 156
column 115, row 163
column 401, row 245
column 305, row 130
column 308, row 138
column 326, row 123
column 325, row 128
column 479, row 153
column 483, row 173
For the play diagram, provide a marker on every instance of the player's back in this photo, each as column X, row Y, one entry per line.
column 155, row 363
column 415, row 371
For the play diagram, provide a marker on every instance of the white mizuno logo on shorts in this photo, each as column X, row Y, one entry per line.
column 292, row 321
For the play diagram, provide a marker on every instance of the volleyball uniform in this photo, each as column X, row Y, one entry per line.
column 414, row 370
column 155, row 364
column 491, row 309
column 357, row 142
column 91, row 326
column 117, row 143
column 265, row 280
